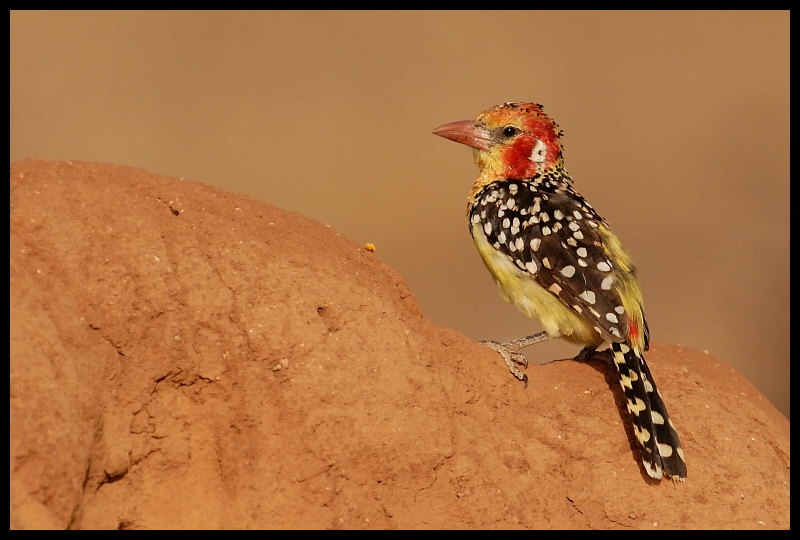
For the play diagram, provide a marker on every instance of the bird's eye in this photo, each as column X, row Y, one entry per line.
column 510, row 131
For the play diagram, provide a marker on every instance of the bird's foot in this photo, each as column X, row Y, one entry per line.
column 508, row 351
column 591, row 353
column 511, row 358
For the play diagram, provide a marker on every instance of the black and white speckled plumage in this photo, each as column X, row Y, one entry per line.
column 549, row 231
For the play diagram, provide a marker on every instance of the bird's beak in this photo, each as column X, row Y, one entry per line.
column 466, row 132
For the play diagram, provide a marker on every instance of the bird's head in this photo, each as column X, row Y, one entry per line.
column 513, row 140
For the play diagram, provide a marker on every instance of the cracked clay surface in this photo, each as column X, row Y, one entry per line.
column 183, row 357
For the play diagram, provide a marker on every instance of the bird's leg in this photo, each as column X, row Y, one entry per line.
column 508, row 351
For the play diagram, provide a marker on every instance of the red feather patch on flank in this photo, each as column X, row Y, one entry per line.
column 633, row 331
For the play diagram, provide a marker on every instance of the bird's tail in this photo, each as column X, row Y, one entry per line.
column 661, row 447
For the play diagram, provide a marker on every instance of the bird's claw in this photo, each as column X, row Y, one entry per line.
column 520, row 358
column 511, row 358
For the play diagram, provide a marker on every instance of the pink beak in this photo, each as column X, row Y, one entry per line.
column 466, row 132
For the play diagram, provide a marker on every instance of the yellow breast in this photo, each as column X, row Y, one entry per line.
column 522, row 290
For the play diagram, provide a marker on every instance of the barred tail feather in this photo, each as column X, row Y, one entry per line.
column 661, row 448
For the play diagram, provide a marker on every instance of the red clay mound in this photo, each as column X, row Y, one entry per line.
column 185, row 357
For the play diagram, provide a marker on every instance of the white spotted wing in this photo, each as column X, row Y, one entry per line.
column 549, row 231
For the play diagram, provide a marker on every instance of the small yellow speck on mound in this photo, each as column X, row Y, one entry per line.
column 369, row 247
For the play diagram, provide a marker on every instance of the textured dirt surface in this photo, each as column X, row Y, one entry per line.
column 185, row 357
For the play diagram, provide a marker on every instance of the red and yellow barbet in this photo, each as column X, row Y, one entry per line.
column 556, row 259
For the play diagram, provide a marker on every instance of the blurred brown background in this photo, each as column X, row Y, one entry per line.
column 677, row 131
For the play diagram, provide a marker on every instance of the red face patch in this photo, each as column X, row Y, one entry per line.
column 536, row 149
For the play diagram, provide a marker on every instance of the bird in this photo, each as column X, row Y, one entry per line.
column 557, row 260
